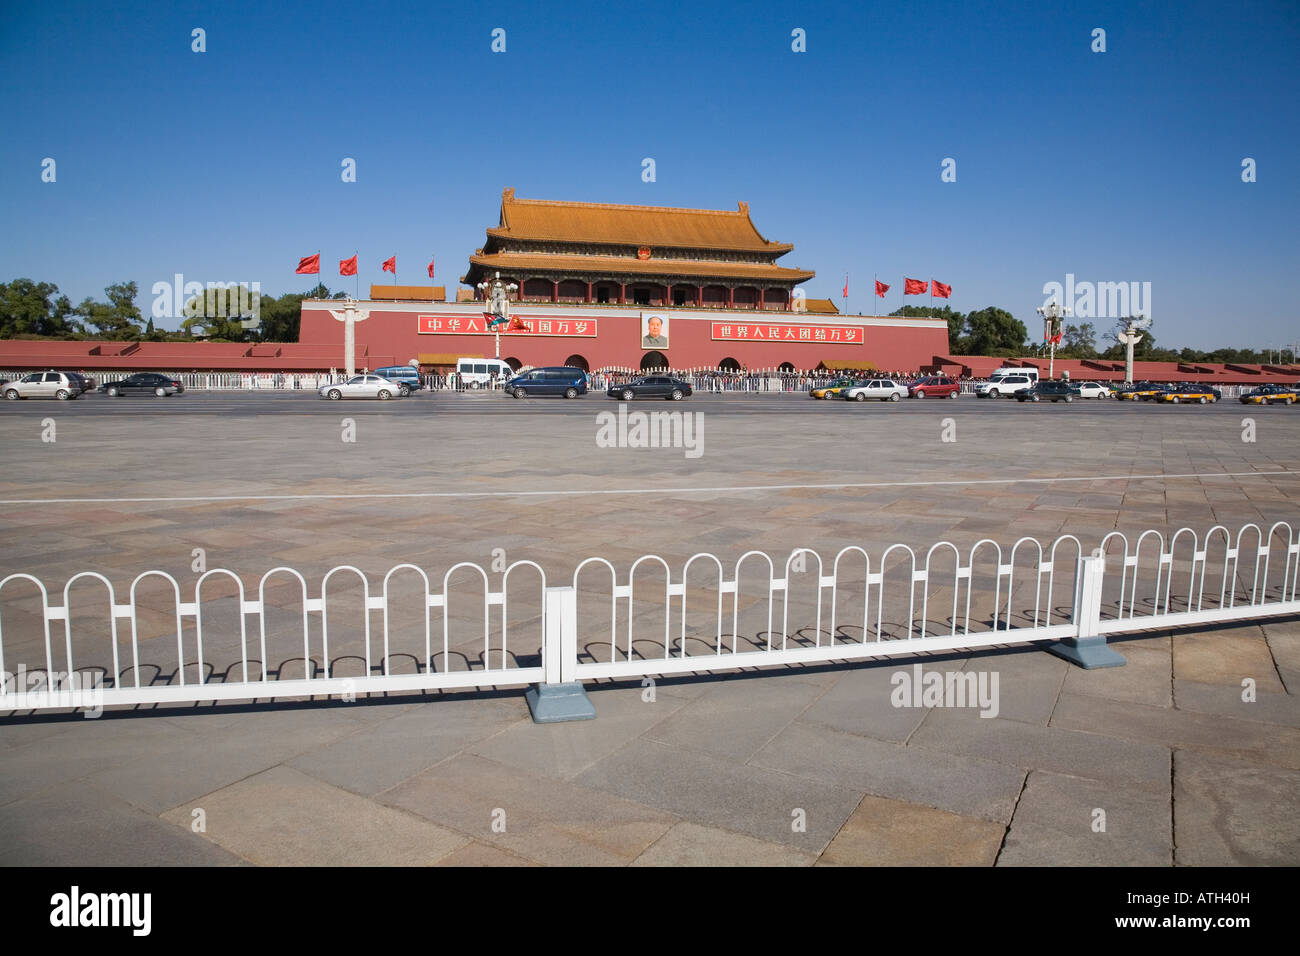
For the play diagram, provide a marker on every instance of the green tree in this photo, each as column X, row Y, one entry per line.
column 956, row 322
column 1079, row 342
column 994, row 331
column 35, row 308
column 118, row 318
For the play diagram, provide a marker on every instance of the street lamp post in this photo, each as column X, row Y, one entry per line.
column 1052, row 313
column 496, row 295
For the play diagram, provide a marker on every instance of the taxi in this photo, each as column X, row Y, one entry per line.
column 1271, row 394
column 1186, row 392
column 833, row 389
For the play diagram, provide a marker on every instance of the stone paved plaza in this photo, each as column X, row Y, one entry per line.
column 800, row 766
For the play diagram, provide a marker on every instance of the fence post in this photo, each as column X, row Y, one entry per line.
column 1087, row 648
column 560, row 695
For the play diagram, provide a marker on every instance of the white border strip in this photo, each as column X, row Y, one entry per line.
column 720, row 489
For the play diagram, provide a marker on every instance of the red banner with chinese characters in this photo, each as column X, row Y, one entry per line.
column 477, row 325
column 767, row 332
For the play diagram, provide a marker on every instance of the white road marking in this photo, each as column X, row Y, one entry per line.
column 642, row 490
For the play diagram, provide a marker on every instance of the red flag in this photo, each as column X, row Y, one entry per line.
column 308, row 265
column 846, row 286
column 348, row 267
column 390, row 265
column 939, row 290
column 881, row 288
column 517, row 325
column 915, row 286
column 430, row 269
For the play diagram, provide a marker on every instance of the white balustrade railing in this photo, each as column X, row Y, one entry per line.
column 654, row 619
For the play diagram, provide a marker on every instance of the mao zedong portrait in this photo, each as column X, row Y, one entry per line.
column 655, row 335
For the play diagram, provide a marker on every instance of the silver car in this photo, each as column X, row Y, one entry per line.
column 362, row 386
column 883, row 389
column 43, row 385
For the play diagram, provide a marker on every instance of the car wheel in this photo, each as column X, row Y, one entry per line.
column 1033, row 398
column 1173, row 400
column 1202, row 399
column 333, row 394
column 676, row 396
column 1069, row 399
column 114, row 392
column 63, row 395
column 570, row 393
column 860, row 397
column 160, row 392
column 12, row 395
column 1287, row 401
column 893, row 397
column 384, row 395
column 404, row 390
column 520, row 393
column 993, row 393
column 953, row 394
column 627, row 395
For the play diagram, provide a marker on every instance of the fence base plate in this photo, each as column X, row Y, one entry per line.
column 1087, row 652
column 552, row 703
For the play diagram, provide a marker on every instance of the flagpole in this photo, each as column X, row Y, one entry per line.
column 357, row 274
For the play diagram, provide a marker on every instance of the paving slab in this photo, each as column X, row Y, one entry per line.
column 1284, row 642
column 1144, row 678
column 482, row 854
column 82, row 826
column 1053, row 748
column 1225, row 657
column 735, row 718
column 883, row 832
column 384, row 753
column 1230, row 813
column 566, row 749
column 282, row 817
column 718, row 792
column 1062, row 818
column 537, row 817
column 861, row 701
column 961, row 785
column 689, row 844
column 1181, row 729
column 1282, row 709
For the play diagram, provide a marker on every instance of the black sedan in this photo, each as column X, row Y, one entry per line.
column 1049, row 391
column 144, row 383
column 651, row 386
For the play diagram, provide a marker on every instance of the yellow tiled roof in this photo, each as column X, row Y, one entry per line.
column 541, row 219
column 528, row 262
column 825, row 306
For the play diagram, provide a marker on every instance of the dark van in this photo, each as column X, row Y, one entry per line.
column 400, row 375
column 560, row 380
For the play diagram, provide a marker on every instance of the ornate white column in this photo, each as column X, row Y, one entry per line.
column 350, row 316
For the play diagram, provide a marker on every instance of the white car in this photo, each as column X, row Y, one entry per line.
column 1007, row 385
column 884, row 389
column 361, row 386
column 43, row 385
column 1093, row 390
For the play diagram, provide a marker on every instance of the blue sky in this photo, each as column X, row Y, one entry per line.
column 1116, row 166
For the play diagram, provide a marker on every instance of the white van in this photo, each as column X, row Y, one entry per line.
column 1001, row 373
column 482, row 372
column 1007, row 381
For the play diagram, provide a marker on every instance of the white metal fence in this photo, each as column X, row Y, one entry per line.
column 475, row 629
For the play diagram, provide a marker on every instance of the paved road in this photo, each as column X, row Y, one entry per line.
column 708, row 770
column 494, row 404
